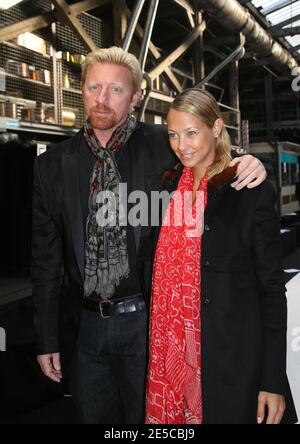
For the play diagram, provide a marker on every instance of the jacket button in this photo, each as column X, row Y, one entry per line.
column 206, row 264
column 206, row 227
column 206, row 301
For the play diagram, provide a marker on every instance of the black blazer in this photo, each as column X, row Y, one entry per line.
column 58, row 233
column 244, row 310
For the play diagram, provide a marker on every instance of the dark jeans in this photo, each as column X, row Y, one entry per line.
column 109, row 371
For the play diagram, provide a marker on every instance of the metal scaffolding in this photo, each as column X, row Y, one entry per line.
column 163, row 73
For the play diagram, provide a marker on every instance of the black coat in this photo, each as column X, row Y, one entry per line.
column 244, row 310
column 58, row 233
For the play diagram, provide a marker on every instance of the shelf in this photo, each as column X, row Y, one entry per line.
column 20, row 47
column 18, row 101
column 7, row 124
column 73, row 91
column 36, row 82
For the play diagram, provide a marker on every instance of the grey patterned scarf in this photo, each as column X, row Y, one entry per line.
column 106, row 256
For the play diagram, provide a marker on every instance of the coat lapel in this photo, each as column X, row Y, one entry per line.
column 138, row 176
column 72, row 200
column 218, row 183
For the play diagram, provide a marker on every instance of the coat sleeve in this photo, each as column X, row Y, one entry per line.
column 267, row 252
column 46, row 270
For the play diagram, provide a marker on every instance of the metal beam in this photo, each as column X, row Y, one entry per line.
column 295, row 49
column 152, row 12
column 120, row 21
column 170, row 59
column 28, row 25
column 43, row 20
column 286, row 31
column 185, row 4
column 156, row 54
column 134, row 18
column 237, row 54
column 285, row 22
column 276, row 6
column 238, row 19
column 87, row 5
column 160, row 96
column 269, row 106
column 66, row 15
column 199, row 65
column 235, row 99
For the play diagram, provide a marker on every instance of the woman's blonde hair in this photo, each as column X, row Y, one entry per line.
column 115, row 56
column 203, row 105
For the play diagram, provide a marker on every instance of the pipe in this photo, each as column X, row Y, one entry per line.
column 144, row 104
column 132, row 25
column 235, row 17
column 237, row 54
column 148, row 32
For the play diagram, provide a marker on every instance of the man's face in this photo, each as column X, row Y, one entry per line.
column 108, row 95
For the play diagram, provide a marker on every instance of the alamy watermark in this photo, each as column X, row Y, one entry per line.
column 140, row 209
column 2, row 340
column 296, row 339
column 296, row 80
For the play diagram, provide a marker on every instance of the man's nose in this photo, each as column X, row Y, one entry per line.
column 102, row 96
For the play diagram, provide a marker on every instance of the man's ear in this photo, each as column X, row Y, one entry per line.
column 136, row 97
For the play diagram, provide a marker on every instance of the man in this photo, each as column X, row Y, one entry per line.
column 90, row 283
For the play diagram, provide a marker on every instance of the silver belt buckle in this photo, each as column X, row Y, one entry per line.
column 101, row 304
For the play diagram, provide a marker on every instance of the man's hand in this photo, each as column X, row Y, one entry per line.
column 276, row 408
column 50, row 365
column 250, row 172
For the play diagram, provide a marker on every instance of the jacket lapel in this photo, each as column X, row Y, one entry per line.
column 216, row 185
column 72, row 200
column 138, row 176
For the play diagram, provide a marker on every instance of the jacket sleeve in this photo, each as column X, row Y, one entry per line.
column 46, row 270
column 267, row 252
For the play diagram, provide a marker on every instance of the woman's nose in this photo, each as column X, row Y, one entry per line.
column 181, row 144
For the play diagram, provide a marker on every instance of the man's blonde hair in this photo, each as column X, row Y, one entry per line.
column 117, row 56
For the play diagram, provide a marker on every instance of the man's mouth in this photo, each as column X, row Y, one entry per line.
column 102, row 113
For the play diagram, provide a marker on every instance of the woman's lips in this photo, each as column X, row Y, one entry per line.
column 186, row 156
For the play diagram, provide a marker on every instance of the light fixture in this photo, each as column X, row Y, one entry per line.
column 6, row 4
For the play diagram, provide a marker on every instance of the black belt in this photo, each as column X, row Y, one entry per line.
column 114, row 307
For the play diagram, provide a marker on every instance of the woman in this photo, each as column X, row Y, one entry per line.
column 218, row 310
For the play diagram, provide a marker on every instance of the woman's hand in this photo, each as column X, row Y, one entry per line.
column 250, row 172
column 276, row 408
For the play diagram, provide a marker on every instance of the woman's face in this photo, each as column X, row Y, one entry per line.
column 193, row 142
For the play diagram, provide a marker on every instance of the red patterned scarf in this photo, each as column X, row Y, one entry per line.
column 174, row 392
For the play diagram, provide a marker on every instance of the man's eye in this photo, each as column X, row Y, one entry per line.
column 94, row 88
column 117, row 89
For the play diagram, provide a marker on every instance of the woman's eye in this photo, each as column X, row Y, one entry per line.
column 191, row 133
column 172, row 136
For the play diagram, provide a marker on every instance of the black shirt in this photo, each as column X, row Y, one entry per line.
column 128, row 286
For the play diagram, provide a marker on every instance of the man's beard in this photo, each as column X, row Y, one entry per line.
column 105, row 121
